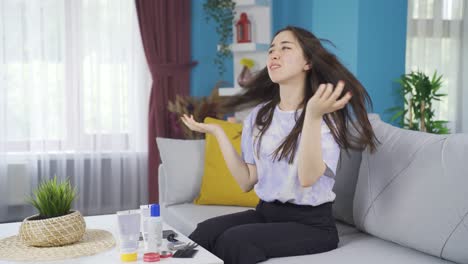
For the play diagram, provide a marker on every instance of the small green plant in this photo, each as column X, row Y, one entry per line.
column 418, row 92
column 222, row 12
column 52, row 198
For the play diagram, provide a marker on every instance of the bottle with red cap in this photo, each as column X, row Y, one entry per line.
column 244, row 29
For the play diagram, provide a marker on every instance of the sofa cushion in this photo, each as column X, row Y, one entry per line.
column 185, row 217
column 361, row 248
column 412, row 191
column 181, row 158
column 354, row 247
column 345, row 185
column 346, row 177
column 218, row 185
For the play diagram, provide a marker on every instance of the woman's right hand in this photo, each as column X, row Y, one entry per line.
column 199, row 127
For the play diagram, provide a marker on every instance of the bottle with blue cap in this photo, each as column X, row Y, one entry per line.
column 154, row 230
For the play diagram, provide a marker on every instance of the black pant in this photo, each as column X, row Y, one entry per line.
column 272, row 230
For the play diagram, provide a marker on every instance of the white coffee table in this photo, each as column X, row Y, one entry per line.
column 109, row 223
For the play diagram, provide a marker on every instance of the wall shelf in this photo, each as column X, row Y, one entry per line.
column 248, row 47
column 247, row 3
column 230, row 91
column 245, row 47
column 259, row 14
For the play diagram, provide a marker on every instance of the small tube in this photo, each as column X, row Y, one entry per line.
column 129, row 233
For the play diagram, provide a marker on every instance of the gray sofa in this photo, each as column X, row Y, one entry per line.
column 405, row 203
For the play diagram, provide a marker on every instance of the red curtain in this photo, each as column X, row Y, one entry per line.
column 165, row 31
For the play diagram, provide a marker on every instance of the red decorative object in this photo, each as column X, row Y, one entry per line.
column 243, row 29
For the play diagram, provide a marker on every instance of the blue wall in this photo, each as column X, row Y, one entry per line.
column 381, row 51
column 337, row 21
column 369, row 35
column 320, row 17
column 285, row 13
column 204, row 45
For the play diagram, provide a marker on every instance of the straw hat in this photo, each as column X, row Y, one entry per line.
column 94, row 241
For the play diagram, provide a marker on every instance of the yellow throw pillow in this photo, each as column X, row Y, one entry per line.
column 218, row 185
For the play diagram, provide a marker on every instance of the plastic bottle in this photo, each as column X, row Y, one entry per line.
column 129, row 229
column 145, row 215
column 154, row 230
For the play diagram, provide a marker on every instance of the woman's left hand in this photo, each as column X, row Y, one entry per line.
column 325, row 100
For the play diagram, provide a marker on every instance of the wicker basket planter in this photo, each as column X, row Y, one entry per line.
column 52, row 232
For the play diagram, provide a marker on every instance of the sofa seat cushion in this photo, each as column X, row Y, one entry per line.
column 360, row 248
column 185, row 217
column 355, row 247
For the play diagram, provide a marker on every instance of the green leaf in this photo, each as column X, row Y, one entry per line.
column 393, row 109
column 397, row 115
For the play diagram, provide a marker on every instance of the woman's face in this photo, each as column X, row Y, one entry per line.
column 286, row 60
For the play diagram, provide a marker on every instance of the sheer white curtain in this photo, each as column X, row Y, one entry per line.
column 73, row 103
column 434, row 42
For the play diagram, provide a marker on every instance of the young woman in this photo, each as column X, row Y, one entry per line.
column 305, row 101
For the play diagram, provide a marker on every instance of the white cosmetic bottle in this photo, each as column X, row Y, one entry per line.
column 154, row 230
column 145, row 215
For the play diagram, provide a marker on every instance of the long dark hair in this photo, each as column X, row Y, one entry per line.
column 325, row 68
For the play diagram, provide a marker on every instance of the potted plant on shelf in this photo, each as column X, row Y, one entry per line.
column 419, row 91
column 222, row 12
column 56, row 224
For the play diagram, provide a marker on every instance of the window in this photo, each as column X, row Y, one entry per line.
column 74, row 89
column 434, row 44
column 73, row 75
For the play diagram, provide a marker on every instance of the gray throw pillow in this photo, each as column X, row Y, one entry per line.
column 183, row 162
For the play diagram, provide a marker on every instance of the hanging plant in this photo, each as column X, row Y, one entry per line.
column 222, row 12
